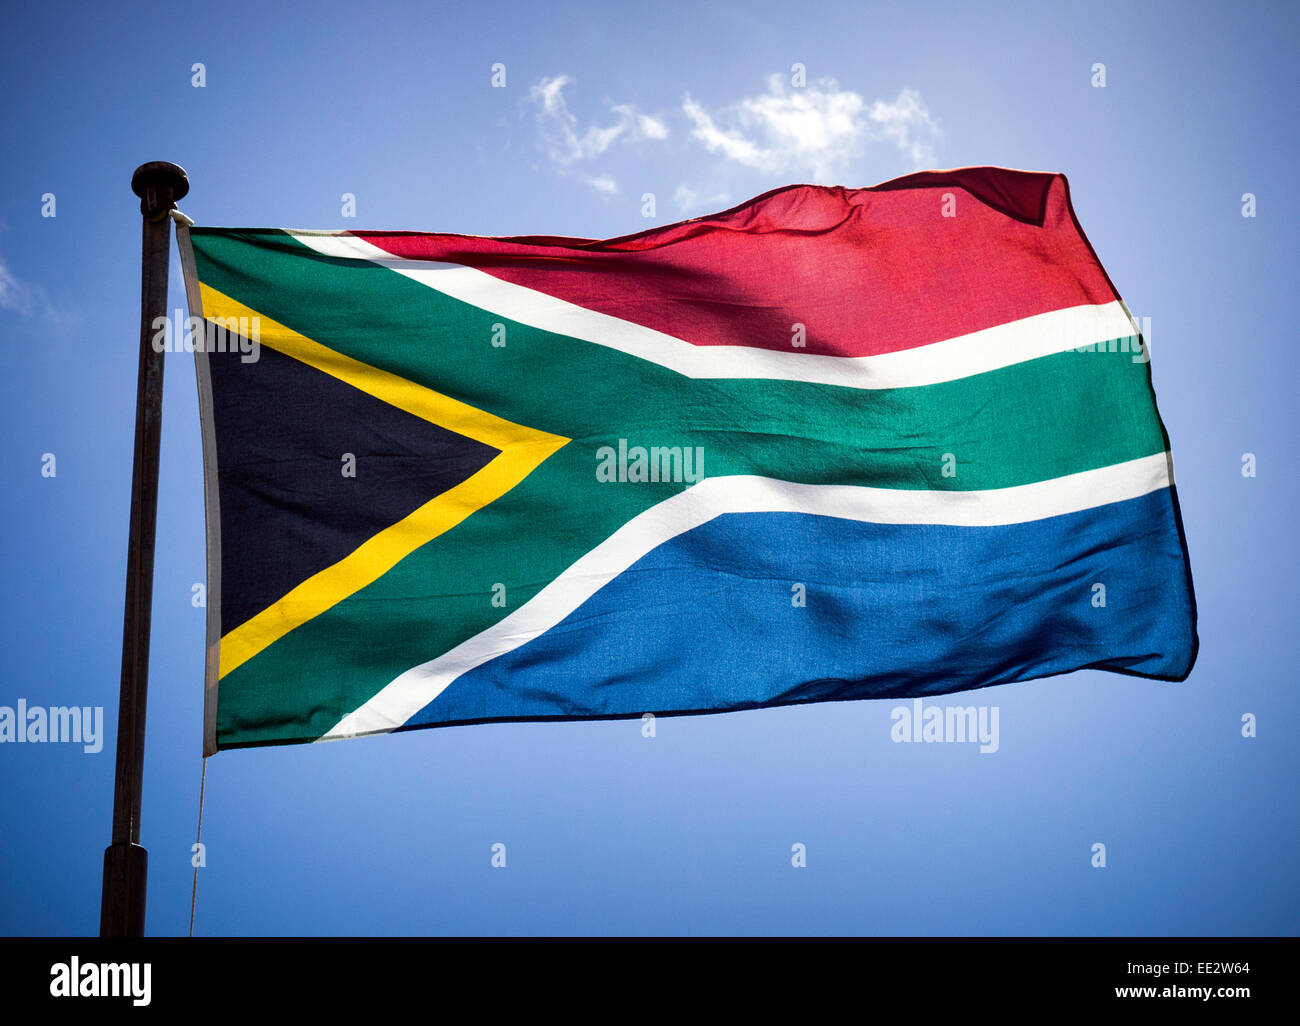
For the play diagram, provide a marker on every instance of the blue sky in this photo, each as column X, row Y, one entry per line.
column 691, row 832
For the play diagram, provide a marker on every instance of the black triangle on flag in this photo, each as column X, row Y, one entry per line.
column 311, row 468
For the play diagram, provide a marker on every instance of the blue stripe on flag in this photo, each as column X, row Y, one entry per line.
column 707, row 621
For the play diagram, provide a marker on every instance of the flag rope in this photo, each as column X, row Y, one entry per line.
column 198, row 839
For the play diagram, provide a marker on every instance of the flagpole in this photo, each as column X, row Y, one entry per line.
column 159, row 185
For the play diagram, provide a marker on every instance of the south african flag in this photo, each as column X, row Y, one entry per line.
column 829, row 444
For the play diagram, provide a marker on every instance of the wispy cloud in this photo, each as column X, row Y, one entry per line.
column 603, row 184
column 14, row 295
column 690, row 199
column 816, row 133
column 566, row 142
column 908, row 123
column 30, row 301
column 818, row 129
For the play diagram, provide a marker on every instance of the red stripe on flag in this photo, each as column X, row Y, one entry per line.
column 865, row 271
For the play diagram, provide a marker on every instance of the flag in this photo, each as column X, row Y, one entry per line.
column 829, row 444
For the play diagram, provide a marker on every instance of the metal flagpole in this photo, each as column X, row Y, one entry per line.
column 159, row 185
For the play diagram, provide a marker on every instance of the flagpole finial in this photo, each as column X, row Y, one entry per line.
column 159, row 184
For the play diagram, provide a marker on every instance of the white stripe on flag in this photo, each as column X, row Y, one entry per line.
column 980, row 351
column 417, row 687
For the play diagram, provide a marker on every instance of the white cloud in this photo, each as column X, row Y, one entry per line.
column 731, row 145
column 815, row 133
column 651, row 128
column 647, row 127
column 562, row 137
column 908, row 123
column 603, row 184
column 818, row 129
column 690, row 199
